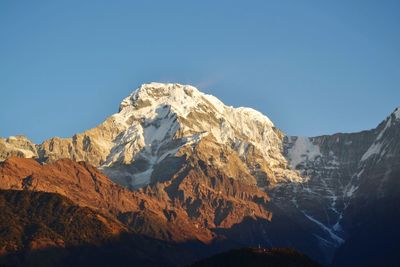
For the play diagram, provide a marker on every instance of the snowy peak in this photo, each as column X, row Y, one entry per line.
column 158, row 112
column 154, row 94
column 158, row 119
column 194, row 112
column 183, row 99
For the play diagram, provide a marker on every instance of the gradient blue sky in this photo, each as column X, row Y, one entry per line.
column 313, row 67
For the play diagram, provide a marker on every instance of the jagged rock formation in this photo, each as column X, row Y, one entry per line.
column 17, row 146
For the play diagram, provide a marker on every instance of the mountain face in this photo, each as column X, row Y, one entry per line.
column 184, row 166
column 350, row 176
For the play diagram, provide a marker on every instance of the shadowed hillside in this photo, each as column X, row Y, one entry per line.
column 257, row 257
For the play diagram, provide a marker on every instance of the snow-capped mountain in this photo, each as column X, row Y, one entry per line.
column 158, row 120
column 188, row 149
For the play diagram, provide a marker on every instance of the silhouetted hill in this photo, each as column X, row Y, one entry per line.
column 257, row 257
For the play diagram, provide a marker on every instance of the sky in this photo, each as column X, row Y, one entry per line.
column 313, row 67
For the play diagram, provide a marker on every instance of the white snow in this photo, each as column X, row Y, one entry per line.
column 302, row 150
column 255, row 115
column 358, row 175
column 397, row 113
column 216, row 102
column 141, row 179
column 351, row 191
column 337, row 227
column 377, row 146
column 373, row 149
column 331, row 233
column 387, row 125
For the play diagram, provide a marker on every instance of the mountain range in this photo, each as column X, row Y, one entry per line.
column 176, row 172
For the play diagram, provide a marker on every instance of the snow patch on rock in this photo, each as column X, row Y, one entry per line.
column 375, row 148
column 302, row 150
column 330, row 231
column 396, row 113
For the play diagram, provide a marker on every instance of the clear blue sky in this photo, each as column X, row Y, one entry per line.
column 313, row 67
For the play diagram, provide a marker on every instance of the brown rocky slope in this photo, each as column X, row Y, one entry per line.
column 47, row 229
column 190, row 206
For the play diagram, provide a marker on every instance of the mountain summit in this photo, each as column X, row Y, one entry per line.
column 158, row 123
